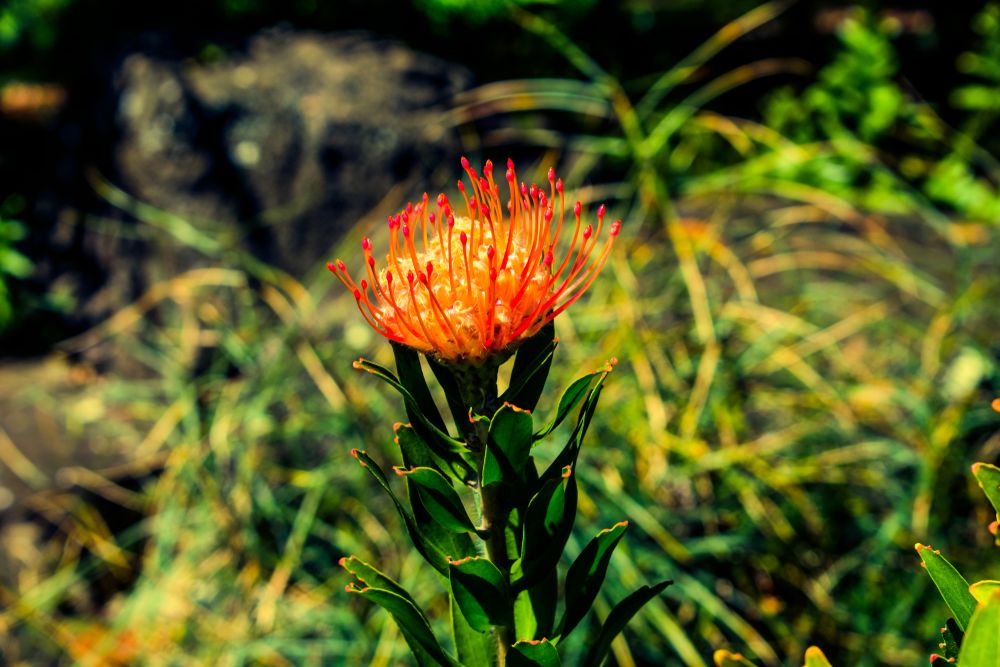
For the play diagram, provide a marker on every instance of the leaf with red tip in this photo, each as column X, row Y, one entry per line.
column 533, row 653
column 412, row 624
column 586, row 575
column 431, row 552
column 371, row 577
column 981, row 645
column 548, row 522
column 569, row 400
column 508, row 446
column 531, row 369
column 439, row 498
column 616, row 621
column 952, row 585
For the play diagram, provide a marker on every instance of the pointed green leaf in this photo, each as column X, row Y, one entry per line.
column 452, row 393
column 372, row 578
column 533, row 653
column 427, row 549
column 453, row 452
column 724, row 658
column 474, row 647
column 440, row 498
column 411, row 376
column 952, row 585
column 586, row 575
column 480, row 592
column 951, row 638
column 535, row 608
column 412, row 624
column 548, row 522
column 816, row 658
column 444, row 541
column 569, row 453
column 616, row 621
column 509, row 445
column 988, row 477
column 982, row 590
column 531, row 369
column 570, row 399
column 981, row 645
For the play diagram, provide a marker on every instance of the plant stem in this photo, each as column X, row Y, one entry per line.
column 494, row 512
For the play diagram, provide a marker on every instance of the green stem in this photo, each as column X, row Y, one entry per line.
column 480, row 394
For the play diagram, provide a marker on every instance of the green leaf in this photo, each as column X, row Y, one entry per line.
column 480, row 592
column 616, row 621
column 452, row 393
column 569, row 453
column 816, row 658
column 373, row 578
column 531, row 369
column 451, row 452
column 548, row 522
column 533, row 653
column 723, row 658
column 535, row 608
column 411, row 376
column 474, row 647
column 570, row 399
column 427, row 548
column 509, row 446
column 586, row 575
column 981, row 646
column 440, row 498
column 412, row 624
column 951, row 638
column 952, row 585
column 982, row 590
column 988, row 477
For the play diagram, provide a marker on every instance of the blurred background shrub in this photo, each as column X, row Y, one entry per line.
column 803, row 305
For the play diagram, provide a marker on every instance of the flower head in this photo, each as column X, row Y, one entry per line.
column 469, row 284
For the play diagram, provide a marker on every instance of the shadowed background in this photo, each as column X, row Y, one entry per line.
column 802, row 302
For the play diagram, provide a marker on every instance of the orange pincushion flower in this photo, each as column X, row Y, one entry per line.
column 468, row 287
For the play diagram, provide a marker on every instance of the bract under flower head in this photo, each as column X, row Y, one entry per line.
column 471, row 284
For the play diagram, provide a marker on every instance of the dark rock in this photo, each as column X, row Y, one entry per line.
column 287, row 145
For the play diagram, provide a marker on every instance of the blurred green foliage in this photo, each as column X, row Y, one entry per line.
column 13, row 265
column 30, row 22
column 803, row 309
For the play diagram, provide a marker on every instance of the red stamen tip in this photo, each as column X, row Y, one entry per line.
column 430, row 268
column 510, row 165
column 552, row 174
column 463, row 237
column 329, row 265
column 484, row 184
column 461, row 186
column 366, row 243
column 371, row 261
column 524, row 189
column 559, row 186
column 549, row 258
column 600, row 212
column 465, row 162
column 357, row 294
column 577, row 209
column 422, row 277
column 616, row 227
column 533, row 191
column 341, row 265
column 409, row 277
column 510, row 175
column 451, row 221
column 548, row 215
column 442, row 200
column 490, row 252
column 406, row 231
column 488, row 168
column 588, row 230
column 431, row 217
column 364, row 285
column 388, row 277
